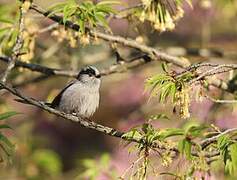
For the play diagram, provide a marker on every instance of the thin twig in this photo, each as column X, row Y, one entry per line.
column 221, row 101
column 218, row 69
column 130, row 167
column 48, row 28
column 208, row 141
column 16, row 48
column 116, row 68
column 42, row 69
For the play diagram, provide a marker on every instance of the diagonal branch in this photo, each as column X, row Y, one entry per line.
column 217, row 69
column 210, row 140
column 111, row 131
column 153, row 53
column 85, row 123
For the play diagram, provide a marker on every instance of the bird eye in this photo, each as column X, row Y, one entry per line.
column 90, row 75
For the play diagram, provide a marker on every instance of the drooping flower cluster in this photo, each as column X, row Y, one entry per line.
column 183, row 100
column 162, row 13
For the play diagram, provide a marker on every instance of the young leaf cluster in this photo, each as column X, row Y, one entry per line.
column 228, row 151
column 94, row 168
column 85, row 14
column 8, row 33
column 181, row 138
column 168, row 86
column 6, row 147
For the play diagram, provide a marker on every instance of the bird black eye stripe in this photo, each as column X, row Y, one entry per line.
column 88, row 71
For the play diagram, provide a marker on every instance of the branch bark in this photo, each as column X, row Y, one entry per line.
column 116, row 68
column 83, row 122
column 111, row 131
column 153, row 53
column 209, row 141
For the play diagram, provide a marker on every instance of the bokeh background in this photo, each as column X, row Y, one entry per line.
column 48, row 147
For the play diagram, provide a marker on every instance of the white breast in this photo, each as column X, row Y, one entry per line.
column 80, row 99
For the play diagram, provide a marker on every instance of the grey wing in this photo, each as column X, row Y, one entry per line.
column 55, row 103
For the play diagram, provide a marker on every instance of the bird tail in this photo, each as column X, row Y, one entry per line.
column 48, row 104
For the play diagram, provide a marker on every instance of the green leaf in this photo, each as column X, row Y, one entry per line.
column 109, row 2
column 8, row 115
column 164, row 67
column 165, row 91
column 159, row 116
column 188, row 148
column 104, row 160
column 4, row 126
column 101, row 18
column 170, row 132
column 6, row 141
column 68, row 11
column 90, row 173
column 229, row 167
column 173, row 92
column 224, row 145
column 233, row 155
column 185, row 147
column 157, row 82
column 88, row 163
column 48, row 161
column 146, row 128
column 3, row 31
column 133, row 133
column 223, row 142
column 6, row 20
column 196, row 130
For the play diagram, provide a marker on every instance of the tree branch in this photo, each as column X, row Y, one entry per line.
column 221, row 101
column 83, row 122
column 111, row 131
column 42, row 69
column 153, row 53
column 217, row 69
column 209, row 141
column 116, row 68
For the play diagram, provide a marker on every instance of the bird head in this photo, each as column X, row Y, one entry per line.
column 89, row 75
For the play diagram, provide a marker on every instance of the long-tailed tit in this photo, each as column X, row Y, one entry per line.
column 81, row 96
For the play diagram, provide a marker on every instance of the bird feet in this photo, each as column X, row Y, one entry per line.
column 84, row 118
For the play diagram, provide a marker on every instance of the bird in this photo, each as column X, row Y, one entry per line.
column 81, row 96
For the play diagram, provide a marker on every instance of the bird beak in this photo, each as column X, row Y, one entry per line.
column 98, row 76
